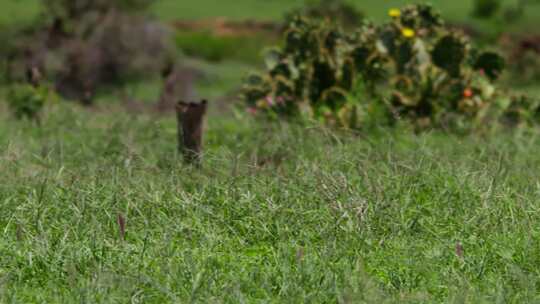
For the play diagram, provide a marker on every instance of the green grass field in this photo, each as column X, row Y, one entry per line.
column 279, row 212
column 17, row 11
column 274, row 9
column 168, row 10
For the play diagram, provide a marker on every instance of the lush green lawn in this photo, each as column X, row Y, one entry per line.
column 278, row 214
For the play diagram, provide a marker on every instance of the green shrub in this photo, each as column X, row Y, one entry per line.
column 27, row 101
column 412, row 68
column 521, row 110
column 524, row 53
column 436, row 78
column 84, row 45
column 339, row 10
column 315, row 70
column 486, row 8
column 214, row 48
column 527, row 67
column 510, row 12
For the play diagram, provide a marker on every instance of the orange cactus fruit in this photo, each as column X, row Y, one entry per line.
column 468, row 93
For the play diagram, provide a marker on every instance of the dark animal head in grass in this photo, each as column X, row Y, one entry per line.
column 190, row 129
column 192, row 113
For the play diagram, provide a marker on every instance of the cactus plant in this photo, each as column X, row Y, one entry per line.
column 492, row 64
column 449, row 54
column 314, row 71
column 411, row 68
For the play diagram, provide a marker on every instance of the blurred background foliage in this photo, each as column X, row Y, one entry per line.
column 105, row 50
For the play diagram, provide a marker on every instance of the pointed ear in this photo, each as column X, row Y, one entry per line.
column 203, row 106
column 181, row 106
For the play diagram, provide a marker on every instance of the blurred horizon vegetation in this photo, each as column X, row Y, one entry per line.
column 226, row 64
column 15, row 11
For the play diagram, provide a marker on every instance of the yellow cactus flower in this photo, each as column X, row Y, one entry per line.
column 408, row 32
column 395, row 13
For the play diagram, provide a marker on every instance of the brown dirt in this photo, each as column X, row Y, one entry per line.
column 225, row 27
